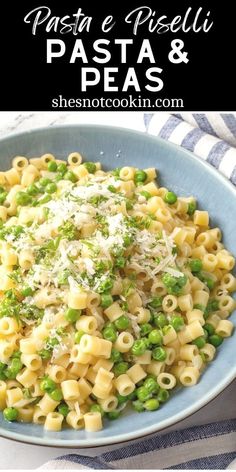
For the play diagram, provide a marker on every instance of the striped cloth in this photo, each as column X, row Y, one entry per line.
column 211, row 446
column 212, row 137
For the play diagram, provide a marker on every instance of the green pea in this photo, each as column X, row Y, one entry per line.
column 177, row 322
column 58, row 177
column 205, row 333
column 97, row 409
column 2, row 375
column 116, row 172
column 23, row 199
column 209, row 328
column 199, row 306
column 169, row 280
column 47, row 385
column 2, row 366
column 78, row 336
column 199, row 342
column 122, row 399
column 195, row 265
column 10, row 414
column 159, row 354
column 51, row 342
column 165, row 329
column 120, row 368
column 16, row 355
column 45, row 199
column 33, row 190
column 51, row 188
column 138, row 406
column 145, row 329
column 56, row 395
column 139, row 347
column 203, row 356
column 52, row 166
column 156, row 302
column 143, row 394
column 122, row 323
column 213, row 305
column 152, row 404
column 109, row 333
column 216, row 340
column 160, row 320
column 140, row 176
column 170, row 198
column 72, row 315
column 69, row 175
column 209, row 282
column 2, row 189
column 128, row 239
column 120, row 262
column 145, row 194
column 129, row 205
column 163, row 395
column 13, row 369
column 155, row 337
column 111, row 188
column 45, row 354
column 3, row 197
column 132, row 396
column 62, row 168
column 62, row 277
column 90, row 166
column 151, row 385
column 106, row 300
column 105, row 286
column 63, row 408
column 173, row 284
column 113, row 415
column 192, row 206
column 44, row 181
column 116, row 356
column 147, row 342
column 151, row 376
column 27, row 292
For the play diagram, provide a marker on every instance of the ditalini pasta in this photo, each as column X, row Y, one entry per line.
column 113, row 290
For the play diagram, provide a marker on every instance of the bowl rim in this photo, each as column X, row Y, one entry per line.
column 214, row 392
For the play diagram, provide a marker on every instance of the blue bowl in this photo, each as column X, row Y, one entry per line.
column 186, row 175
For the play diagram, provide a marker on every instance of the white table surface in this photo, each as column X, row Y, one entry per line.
column 22, row 456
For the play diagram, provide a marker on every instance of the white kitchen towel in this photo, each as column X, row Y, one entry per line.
column 211, row 137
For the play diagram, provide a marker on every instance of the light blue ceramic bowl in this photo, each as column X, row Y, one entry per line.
column 186, row 175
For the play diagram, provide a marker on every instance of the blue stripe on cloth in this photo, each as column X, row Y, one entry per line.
column 171, row 439
column 230, row 121
column 233, row 176
column 220, row 461
column 167, row 441
column 190, row 140
column 178, row 115
column 169, row 127
column 217, row 153
column 147, row 118
column 204, row 123
column 92, row 462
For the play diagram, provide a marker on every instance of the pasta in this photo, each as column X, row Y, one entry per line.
column 113, row 290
